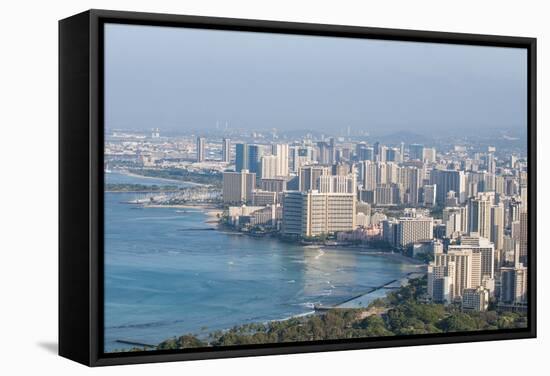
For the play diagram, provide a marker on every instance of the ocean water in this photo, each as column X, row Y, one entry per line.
column 166, row 276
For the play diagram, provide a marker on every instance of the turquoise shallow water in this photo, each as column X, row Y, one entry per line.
column 161, row 281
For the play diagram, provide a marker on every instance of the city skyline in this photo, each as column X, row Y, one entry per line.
column 455, row 215
column 240, row 226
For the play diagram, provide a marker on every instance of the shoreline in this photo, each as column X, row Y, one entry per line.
column 359, row 302
column 146, row 191
column 134, row 175
column 365, row 309
column 212, row 212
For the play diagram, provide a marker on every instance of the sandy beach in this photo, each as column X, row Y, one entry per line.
column 212, row 212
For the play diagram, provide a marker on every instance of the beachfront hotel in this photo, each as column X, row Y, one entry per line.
column 238, row 187
column 313, row 213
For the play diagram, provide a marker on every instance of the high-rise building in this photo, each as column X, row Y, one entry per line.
column 513, row 284
column 416, row 151
column 428, row 155
column 269, row 166
column 389, row 233
column 300, row 156
column 365, row 153
column 456, row 220
column 467, row 266
column 449, row 180
column 309, row 177
column 337, row 184
column 369, row 174
column 441, row 280
column 386, row 195
column 411, row 230
column 201, row 149
column 523, row 237
column 238, row 187
column 311, row 213
column 332, row 151
column 490, row 163
column 485, row 248
column 411, row 182
column 480, row 181
column 324, row 153
column 281, row 152
column 294, row 160
column 255, row 153
column 497, row 226
column 394, row 155
column 241, row 157
column 340, row 168
column 226, row 150
column 479, row 215
column 382, row 153
column 430, row 191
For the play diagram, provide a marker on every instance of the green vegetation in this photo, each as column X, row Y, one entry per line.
column 425, row 257
column 139, row 188
column 316, row 239
column 400, row 313
column 213, row 178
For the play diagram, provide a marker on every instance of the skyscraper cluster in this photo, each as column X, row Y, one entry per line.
column 465, row 207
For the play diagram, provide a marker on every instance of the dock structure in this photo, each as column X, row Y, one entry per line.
column 197, row 229
column 135, row 343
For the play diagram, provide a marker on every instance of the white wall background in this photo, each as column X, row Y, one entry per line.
column 28, row 187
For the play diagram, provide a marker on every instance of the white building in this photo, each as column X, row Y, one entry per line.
column 226, row 150
column 238, row 187
column 270, row 164
column 337, row 184
column 313, row 213
column 441, row 279
column 412, row 230
column 479, row 215
column 466, row 269
column 485, row 248
column 281, row 152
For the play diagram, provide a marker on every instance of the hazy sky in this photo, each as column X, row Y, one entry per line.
column 176, row 78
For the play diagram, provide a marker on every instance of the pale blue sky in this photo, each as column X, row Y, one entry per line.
column 177, row 78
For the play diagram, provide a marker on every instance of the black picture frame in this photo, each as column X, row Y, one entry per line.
column 81, row 185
